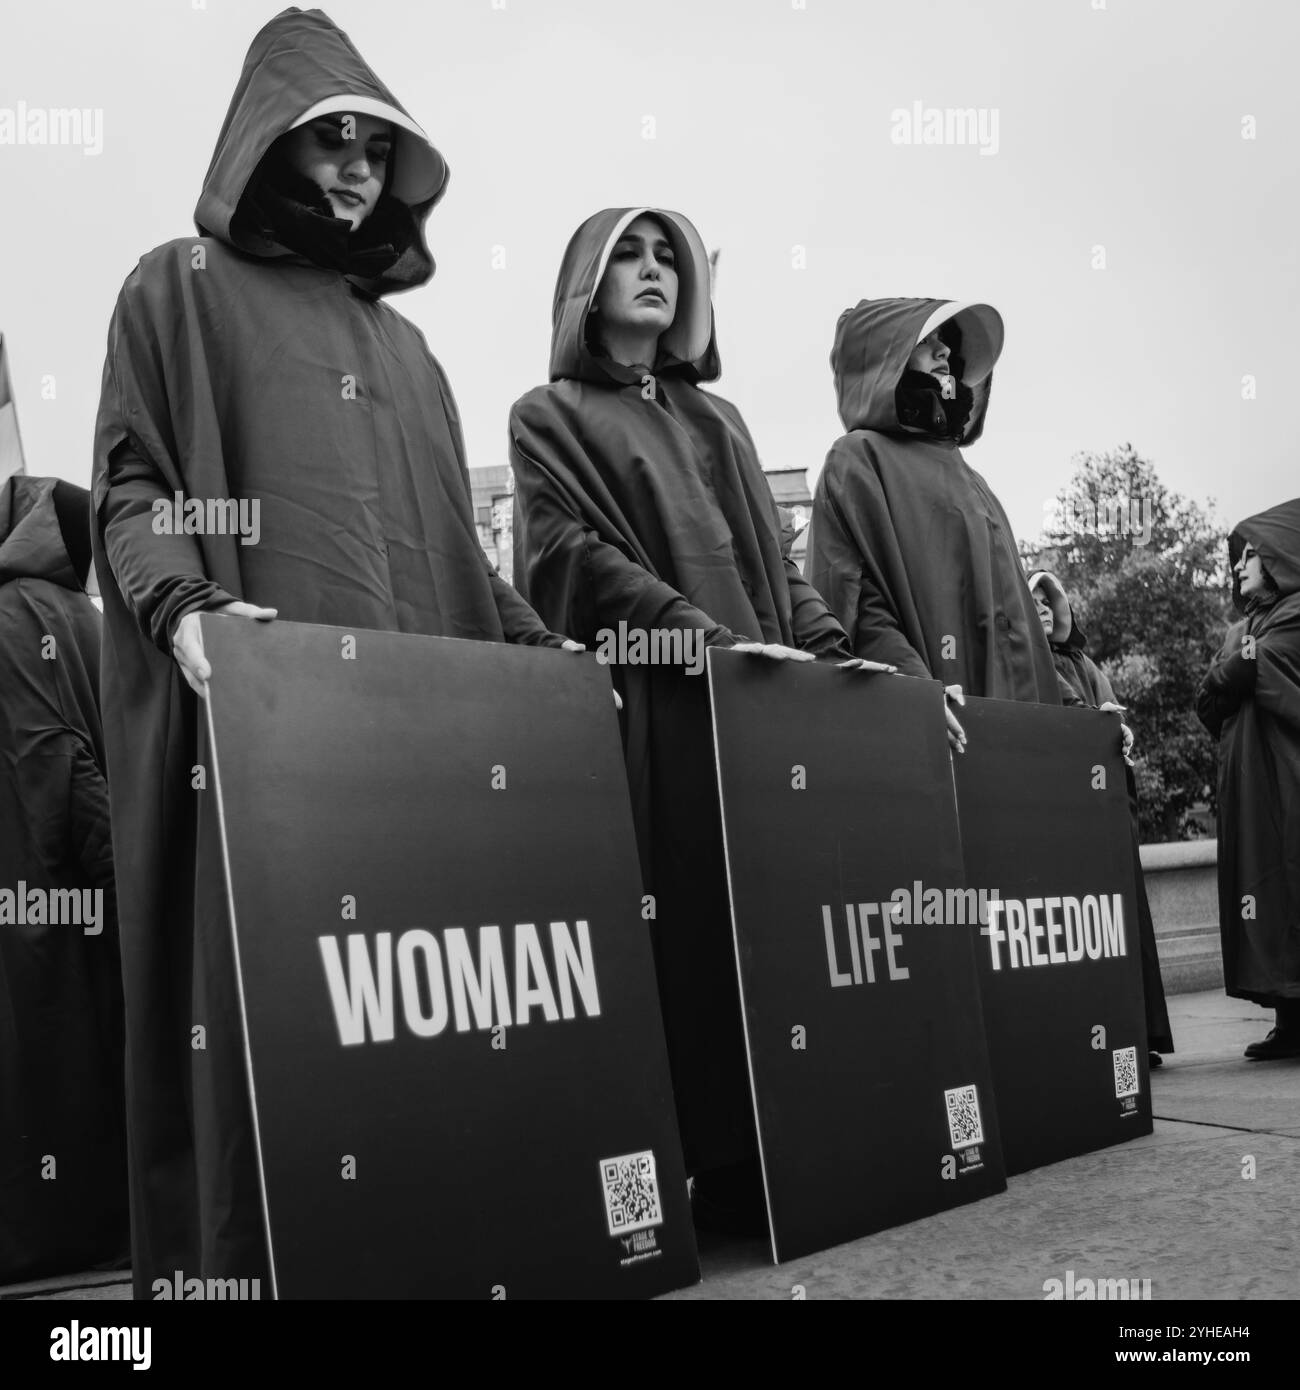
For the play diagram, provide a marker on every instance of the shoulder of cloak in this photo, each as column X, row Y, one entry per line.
column 33, row 609
column 1067, row 664
column 541, row 400
column 187, row 265
column 852, row 465
column 17, row 621
column 205, row 271
column 1095, row 676
column 983, row 484
column 154, row 305
column 703, row 403
column 395, row 316
column 540, row 407
column 1232, row 638
column 1283, row 617
column 719, row 405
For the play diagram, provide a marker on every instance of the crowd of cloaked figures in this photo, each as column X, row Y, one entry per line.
column 639, row 499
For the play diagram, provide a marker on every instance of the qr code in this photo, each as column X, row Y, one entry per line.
column 631, row 1192
column 1126, row 1071
column 964, row 1125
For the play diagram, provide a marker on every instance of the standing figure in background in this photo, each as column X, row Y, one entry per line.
column 1089, row 685
column 1250, row 701
column 63, row 1188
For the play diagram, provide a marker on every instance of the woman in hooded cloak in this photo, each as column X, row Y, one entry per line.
column 641, row 508
column 259, row 364
column 1250, row 701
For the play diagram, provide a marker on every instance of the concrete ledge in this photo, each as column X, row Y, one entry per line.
column 1180, row 854
column 1190, row 961
column 1183, row 888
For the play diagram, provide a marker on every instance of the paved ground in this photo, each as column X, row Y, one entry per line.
column 1172, row 1207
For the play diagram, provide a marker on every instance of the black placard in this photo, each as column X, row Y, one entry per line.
column 434, row 802
column 1045, row 820
column 863, row 1031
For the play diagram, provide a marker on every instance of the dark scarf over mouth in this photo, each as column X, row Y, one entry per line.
column 921, row 404
column 292, row 210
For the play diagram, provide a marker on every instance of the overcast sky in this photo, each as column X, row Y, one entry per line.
column 1118, row 127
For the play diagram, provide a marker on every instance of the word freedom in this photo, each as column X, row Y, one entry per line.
column 1072, row 927
column 660, row 646
column 55, row 907
column 445, row 975
column 215, row 516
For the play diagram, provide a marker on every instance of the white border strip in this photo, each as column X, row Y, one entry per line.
column 735, row 938
column 366, row 106
column 239, row 985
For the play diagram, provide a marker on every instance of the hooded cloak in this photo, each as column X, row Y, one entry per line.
column 1083, row 682
column 258, row 362
column 640, row 499
column 913, row 552
column 1077, row 670
column 60, row 989
column 1250, row 700
column 649, row 504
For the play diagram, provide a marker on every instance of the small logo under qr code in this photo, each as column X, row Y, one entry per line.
column 964, row 1125
column 631, row 1192
column 1126, row 1071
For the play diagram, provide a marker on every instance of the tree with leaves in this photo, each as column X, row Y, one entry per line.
column 1145, row 570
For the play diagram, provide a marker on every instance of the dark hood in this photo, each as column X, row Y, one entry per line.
column 688, row 348
column 44, row 531
column 301, row 63
column 1275, row 534
column 1066, row 632
column 873, row 341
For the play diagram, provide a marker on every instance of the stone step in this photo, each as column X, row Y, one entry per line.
column 1190, row 958
column 1182, row 885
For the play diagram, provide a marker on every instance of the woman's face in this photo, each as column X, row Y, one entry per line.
column 347, row 156
column 930, row 355
column 1250, row 569
column 1044, row 612
column 639, row 289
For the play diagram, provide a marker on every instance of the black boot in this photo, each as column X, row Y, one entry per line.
column 1284, row 1039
